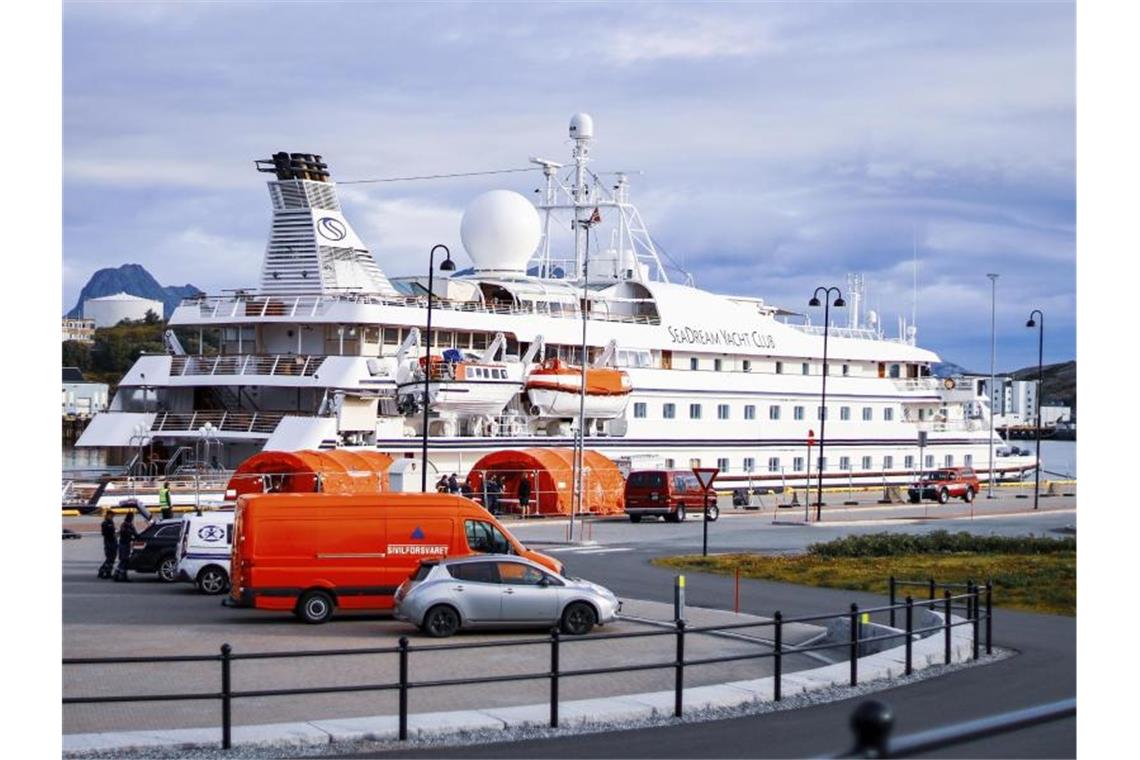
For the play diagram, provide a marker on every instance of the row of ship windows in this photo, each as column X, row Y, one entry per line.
column 805, row 367
column 748, row 464
column 724, row 412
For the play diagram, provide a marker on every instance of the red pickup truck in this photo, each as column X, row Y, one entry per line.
column 944, row 483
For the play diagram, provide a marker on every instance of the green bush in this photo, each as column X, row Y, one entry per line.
column 939, row 542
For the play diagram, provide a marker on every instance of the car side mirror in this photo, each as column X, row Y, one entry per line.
column 544, row 582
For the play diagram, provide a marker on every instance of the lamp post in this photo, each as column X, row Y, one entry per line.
column 993, row 358
column 827, row 304
column 1040, row 378
column 447, row 265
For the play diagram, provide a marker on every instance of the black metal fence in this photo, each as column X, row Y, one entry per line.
column 970, row 602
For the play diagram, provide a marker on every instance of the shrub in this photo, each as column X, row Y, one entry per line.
column 939, row 542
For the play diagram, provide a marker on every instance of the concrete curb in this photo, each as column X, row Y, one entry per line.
column 882, row 666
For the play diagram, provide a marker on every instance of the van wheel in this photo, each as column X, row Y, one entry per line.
column 168, row 569
column 943, row 496
column 212, row 580
column 635, row 518
column 678, row 516
column 968, row 496
column 578, row 619
column 315, row 607
column 441, row 621
column 712, row 511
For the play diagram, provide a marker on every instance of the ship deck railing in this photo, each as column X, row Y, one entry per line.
column 261, row 423
column 310, row 306
column 859, row 333
column 278, row 365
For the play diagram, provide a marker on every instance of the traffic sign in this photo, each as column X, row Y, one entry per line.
column 811, row 438
column 706, row 476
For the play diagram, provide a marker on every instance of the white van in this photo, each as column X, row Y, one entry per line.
column 204, row 550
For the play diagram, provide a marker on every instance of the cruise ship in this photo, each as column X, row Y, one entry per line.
column 329, row 351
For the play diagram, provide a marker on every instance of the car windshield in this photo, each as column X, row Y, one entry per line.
column 935, row 475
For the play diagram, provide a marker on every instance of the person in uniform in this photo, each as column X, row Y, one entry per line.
column 127, row 534
column 524, row 494
column 108, row 530
column 164, row 501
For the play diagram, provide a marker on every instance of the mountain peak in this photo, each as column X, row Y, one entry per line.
column 135, row 280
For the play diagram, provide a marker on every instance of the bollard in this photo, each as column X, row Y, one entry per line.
column 909, row 632
column 891, row 585
column 554, row 677
column 871, row 722
column 989, row 617
column 946, row 623
column 226, row 722
column 403, row 647
column 976, row 621
column 932, row 592
column 779, row 618
column 854, row 654
column 679, row 597
column 736, row 595
column 679, row 678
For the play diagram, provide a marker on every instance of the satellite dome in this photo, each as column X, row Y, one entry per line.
column 500, row 230
column 582, row 126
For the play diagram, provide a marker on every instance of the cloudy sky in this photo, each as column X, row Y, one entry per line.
column 781, row 145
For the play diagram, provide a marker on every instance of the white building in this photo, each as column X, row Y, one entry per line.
column 1054, row 415
column 111, row 310
column 82, row 330
column 81, row 398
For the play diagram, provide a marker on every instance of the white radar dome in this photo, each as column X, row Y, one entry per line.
column 500, row 230
column 582, row 126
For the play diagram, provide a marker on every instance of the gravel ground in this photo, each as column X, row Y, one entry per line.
column 790, row 702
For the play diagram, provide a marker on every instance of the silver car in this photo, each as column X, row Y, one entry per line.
column 446, row 595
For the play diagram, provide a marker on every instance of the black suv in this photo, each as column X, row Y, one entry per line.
column 155, row 550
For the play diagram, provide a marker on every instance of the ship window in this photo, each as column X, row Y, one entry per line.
column 722, row 464
column 820, row 412
column 670, row 463
column 949, row 460
column 908, row 461
column 694, row 411
column 694, row 463
column 694, row 363
column 640, row 409
column 779, row 368
column 746, row 365
column 894, row 370
column 845, row 463
column 798, row 412
column 749, row 464
column 749, row 412
column 888, row 414
column 823, row 464
column 866, row 463
column 929, row 461
column 774, row 412
column 968, row 460
column 845, row 413
column 717, row 364
column 722, row 411
column 868, row 414
column 797, row 464
column 773, row 464
column 888, row 462
column 846, row 370
column 804, row 368
column 669, row 411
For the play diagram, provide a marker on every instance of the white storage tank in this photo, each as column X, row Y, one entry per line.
column 108, row 311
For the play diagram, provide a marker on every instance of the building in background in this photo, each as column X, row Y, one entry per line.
column 82, row 330
column 81, row 398
column 108, row 311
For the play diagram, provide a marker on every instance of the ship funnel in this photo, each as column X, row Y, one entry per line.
column 294, row 166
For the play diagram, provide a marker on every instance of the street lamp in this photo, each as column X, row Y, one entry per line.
column 1040, row 379
column 447, row 265
column 993, row 358
column 827, row 304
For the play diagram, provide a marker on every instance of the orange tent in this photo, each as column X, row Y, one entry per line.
column 551, row 475
column 337, row 470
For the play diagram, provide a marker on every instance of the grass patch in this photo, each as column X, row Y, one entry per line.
column 1035, row 574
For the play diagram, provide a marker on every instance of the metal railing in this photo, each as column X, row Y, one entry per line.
column 259, row 423
column 971, row 601
column 276, row 365
column 873, row 721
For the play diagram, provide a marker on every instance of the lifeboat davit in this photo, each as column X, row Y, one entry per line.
column 554, row 390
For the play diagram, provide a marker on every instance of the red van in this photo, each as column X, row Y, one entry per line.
column 311, row 553
column 670, row 494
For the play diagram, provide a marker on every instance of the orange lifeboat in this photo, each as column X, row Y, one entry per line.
column 554, row 389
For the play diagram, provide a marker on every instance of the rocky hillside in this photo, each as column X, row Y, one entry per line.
column 133, row 279
column 1059, row 383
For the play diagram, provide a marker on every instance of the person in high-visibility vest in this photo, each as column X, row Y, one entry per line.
column 164, row 501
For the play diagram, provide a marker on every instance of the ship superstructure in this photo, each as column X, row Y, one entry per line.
column 328, row 351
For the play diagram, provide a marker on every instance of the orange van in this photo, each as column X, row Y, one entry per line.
column 311, row 553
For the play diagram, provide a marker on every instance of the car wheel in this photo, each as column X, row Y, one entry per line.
column 635, row 518
column 441, row 621
column 679, row 515
column 943, row 496
column 915, row 499
column 212, row 580
column 712, row 512
column 969, row 495
column 315, row 607
column 168, row 569
column 578, row 619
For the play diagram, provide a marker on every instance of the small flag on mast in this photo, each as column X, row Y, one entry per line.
column 596, row 217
